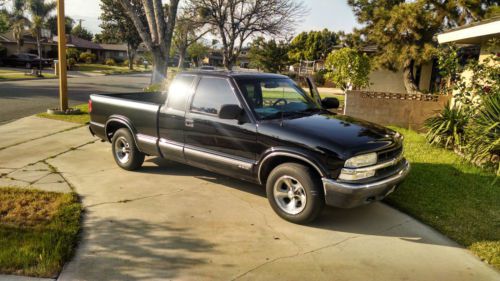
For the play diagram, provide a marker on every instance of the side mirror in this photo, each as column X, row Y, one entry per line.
column 330, row 103
column 230, row 111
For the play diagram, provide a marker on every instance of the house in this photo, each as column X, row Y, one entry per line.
column 475, row 36
column 118, row 52
column 8, row 40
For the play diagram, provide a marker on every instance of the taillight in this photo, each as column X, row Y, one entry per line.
column 90, row 106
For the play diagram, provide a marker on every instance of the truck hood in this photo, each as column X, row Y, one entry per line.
column 343, row 136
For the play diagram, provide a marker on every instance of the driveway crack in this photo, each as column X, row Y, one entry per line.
column 294, row 255
column 133, row 199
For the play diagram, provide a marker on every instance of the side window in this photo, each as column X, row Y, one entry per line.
column 211, row 94
column 178, row 92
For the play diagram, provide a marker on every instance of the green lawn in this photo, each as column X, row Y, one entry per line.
column 19, row 74
column 38, row 231
column 458, row 199
column 106, row 69
column 82, row 118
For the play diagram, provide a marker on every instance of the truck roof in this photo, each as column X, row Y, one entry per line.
column 235, row 74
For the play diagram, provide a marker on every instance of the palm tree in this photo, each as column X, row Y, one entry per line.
column 39, row 12
column 18, row 23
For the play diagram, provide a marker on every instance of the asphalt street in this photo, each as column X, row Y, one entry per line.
column 24, row 98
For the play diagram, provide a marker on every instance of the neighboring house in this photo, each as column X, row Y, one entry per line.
column 214, row 58
column 475, row 36
column 117, row 52
column 8, row 40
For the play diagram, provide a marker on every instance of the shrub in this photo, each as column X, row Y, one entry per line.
column 448, row 128
column 319, row 77
column 110, row 62
column 348, row 68
column 73, row 53
column 125, row 62
column 71, row 63
column 87, row 57
column 483, row 132
column 153, row 88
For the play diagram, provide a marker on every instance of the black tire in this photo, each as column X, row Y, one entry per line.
column 309, row 185
column 125, row 151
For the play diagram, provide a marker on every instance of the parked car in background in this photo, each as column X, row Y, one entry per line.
column 258, row 127
column 27, row 61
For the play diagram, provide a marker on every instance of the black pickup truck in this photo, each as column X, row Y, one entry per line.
column 258, row 127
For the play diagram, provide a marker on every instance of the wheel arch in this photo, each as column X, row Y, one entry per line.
column 115, row 123
column 273, row 159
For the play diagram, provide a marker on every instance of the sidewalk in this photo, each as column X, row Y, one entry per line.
column 168, row 221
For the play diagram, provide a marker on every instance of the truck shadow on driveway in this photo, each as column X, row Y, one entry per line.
column 136, row 249
column 376, row 219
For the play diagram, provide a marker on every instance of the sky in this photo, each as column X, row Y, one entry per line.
column 332, row 14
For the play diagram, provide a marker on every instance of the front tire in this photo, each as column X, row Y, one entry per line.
column 294, row 192
column 125, row 151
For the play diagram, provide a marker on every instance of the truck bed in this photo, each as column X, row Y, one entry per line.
column 139, row 109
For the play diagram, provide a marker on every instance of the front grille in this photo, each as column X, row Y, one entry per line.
column 387, row 155
column 389, row 171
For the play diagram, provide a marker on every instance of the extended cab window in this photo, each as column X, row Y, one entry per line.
column 272, row 98
column 211, row 94
column 178, row 92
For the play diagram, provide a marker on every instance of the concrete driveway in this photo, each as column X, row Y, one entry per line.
column 172, row 222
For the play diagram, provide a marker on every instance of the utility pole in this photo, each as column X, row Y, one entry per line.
column 63, row 79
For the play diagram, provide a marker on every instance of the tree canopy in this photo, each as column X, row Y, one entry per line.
column 270, row 56
column 313, row 45
column 404, row 31
column 348, row 68
column 235, row 21
column 51, row 24
column 82, row 32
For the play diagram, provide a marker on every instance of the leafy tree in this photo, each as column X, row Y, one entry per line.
column 348, row 68
column 188, row 31
column 51, row 24
column 117, row 27
column 82, row 32
column 39, row 11
column 234, row 21
column 271, row 56
column 313, row 45
column 156, row 32
column 404, row 31
column 196, row 52
column 4, row 21
column 18, row 22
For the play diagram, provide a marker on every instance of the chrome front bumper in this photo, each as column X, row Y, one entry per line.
column 349, row 195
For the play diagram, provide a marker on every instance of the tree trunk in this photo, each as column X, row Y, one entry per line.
column 228, row 62
column 408, row 78
column 130, row 55
column 39, row 49
column 160, row 66
column 182, row 55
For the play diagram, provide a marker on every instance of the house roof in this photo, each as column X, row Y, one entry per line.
column 473, row 33
column 114, row 47
column 79, row 42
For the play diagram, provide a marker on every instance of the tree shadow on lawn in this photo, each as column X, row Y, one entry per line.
column 135, row 249
column 424, row 193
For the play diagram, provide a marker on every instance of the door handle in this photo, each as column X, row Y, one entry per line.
column 189, row 123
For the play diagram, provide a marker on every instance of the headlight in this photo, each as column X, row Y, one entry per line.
column 362, row 160
column 353, row 174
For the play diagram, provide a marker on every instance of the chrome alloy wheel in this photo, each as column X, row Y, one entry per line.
column 290, row 195
column 122, row 150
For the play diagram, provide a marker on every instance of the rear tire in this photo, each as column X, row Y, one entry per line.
column 125, row 151
column 295, row 193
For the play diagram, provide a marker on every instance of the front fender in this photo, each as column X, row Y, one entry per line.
column 299, row 154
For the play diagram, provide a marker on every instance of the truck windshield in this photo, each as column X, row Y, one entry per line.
column 272, row 98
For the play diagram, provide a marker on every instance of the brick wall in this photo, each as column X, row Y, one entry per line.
column 403, row 110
